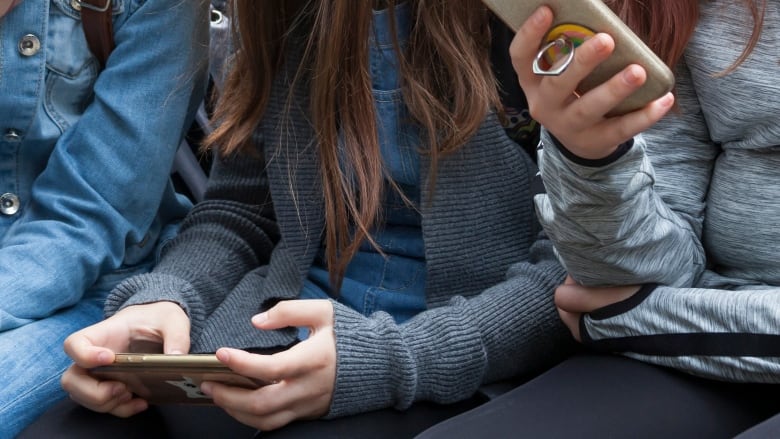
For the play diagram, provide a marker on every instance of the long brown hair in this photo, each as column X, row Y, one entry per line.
column 447, row 85
column 667, row 25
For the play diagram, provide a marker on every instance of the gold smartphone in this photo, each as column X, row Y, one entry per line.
column 171, row 379
column 576, row 21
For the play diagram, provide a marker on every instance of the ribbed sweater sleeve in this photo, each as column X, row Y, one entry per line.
column 225, row 237
column 444, row 354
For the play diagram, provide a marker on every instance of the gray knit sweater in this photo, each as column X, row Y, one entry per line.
column 489, row 282
column 694, row 206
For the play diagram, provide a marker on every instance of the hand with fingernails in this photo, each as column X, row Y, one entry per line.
column 573, row 300
column 162, row 322
column 580, row 122
column 302, row 378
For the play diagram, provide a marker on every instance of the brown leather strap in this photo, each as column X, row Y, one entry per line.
column 98, row 28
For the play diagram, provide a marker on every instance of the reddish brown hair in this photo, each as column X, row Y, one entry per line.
column 447, row 84
column 667, row 25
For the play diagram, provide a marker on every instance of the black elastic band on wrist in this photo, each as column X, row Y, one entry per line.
column 621, row 150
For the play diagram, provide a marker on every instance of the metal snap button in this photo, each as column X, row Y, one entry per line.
column 75, row 4
column 12, row 136
column 29, row 45
column 9, row 204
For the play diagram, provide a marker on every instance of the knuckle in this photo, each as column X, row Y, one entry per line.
column 279, row 310
column 560, row 297
column 321, row 361
column 580, row 112
column 66, row 381
column 275, row 371
column 277, row 422
column 122, row 412
column 535, row 110
column 625, row 131
column 69, row 345
column 216, row 397
column 258, row 406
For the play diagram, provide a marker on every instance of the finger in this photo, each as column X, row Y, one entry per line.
column 296, row 361
column 586, row 58
column 161, row 322
column 579, row 299
column 129, row 408
column 176, row 334
column 100, row 396
column 525, row 44
column 80, row 347
column 569, row 280
column 572, row 321
column 258, row 402
column 266, row 408
column 264, row 423
column 310, row 313
column 603, row 98
column 573, row 298
column 83, row 387
column 635, row 122
column 267, row 423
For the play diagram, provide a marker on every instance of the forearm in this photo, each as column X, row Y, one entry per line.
column 610, row 226
column 722, row 334
column 445, row 354
column 232, row 232
column 101, row 189
column 635, row 217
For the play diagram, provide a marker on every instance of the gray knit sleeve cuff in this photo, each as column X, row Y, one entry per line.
column 367, row 377
column 437, row 356
column 156, row 287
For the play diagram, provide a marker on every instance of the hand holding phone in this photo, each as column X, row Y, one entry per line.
column 144, row 327
column 171, row 379
column 574, row 22
column 583, row 122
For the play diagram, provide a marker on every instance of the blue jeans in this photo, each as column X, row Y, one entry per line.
column 32, row 359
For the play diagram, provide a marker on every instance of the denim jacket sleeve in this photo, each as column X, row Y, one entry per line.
column 94, row 199
column 230, row 234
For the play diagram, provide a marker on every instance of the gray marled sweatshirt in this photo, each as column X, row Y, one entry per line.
column 489, row 282
column 693, row 205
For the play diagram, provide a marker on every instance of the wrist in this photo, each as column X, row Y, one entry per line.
column 592, row 158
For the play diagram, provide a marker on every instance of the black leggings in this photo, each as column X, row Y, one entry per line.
column 595, row 396
column 69, row 420
column 584, row 397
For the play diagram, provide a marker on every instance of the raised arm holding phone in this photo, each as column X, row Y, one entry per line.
column 666, row 221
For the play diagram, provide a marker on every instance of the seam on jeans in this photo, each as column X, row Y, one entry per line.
column 31, row 389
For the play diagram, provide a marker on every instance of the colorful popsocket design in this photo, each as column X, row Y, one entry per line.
column 574, row 33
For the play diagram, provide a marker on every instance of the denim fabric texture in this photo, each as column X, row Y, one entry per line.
column 85, row 156
column 393, row 282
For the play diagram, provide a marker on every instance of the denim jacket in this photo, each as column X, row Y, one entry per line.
column 85, row 155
